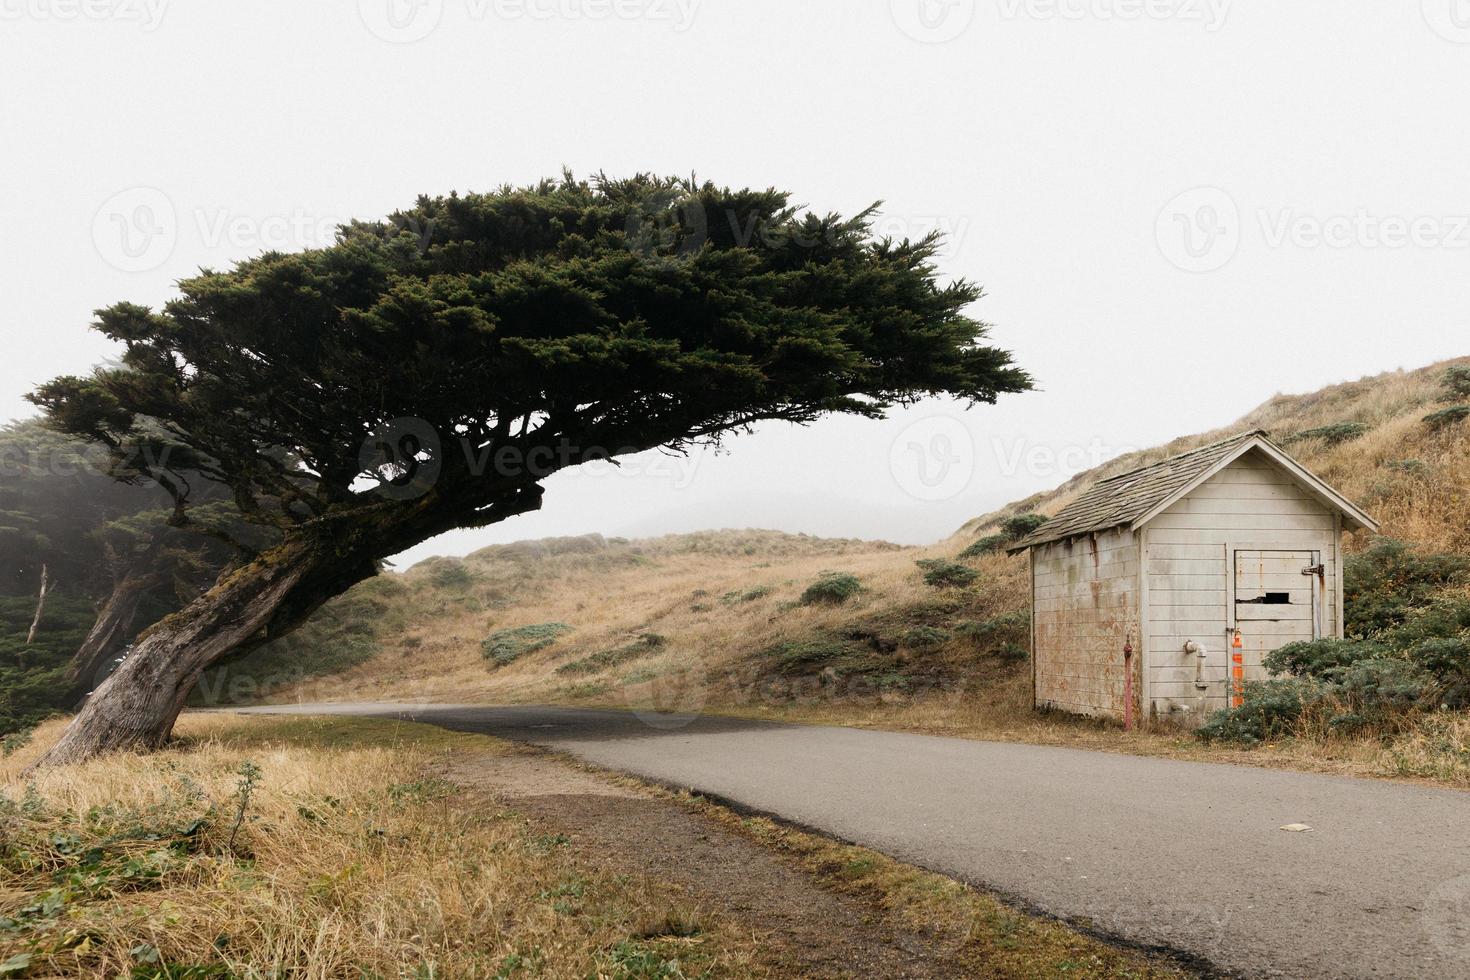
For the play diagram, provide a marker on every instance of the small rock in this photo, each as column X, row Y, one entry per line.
column 1296, row 828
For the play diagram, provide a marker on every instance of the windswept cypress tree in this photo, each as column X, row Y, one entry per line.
column 430, row 371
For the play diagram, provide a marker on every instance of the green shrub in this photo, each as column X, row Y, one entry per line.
column 1334, row 434
column 641, row 647
column 943, row 574
column 923, row 637
column 450, row 575
column 1447, row 660
column 507, row 646
column 1022, row 526
column 1385, row 585
column 1446, row 417
column 832, row 589
column 1321, row 659
column 1271, row 710
column 986, row 546
column 808, row 656
column 1456, row 381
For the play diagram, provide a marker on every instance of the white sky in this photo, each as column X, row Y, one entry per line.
column 1061, row 142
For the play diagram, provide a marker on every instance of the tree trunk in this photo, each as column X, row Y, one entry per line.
column 137, row 706
column 40, row 607
column 109, row 634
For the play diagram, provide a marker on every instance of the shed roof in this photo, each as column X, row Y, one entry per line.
column 1136, row 497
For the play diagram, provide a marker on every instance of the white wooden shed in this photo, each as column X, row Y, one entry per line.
column 1233, row 548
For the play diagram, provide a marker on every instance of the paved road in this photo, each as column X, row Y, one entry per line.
column 1184, row 855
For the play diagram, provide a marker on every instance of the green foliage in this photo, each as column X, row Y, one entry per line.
column 1012, row 529
column 1334, row 434
column 31, row 677
column 1383, row 585
column 1006, row 636
column 988, row 545
column 1456, row 382
column 1022, row 525
column 1321, row 659
column 1446, row 417
column 505, row 647
column 642, row 647
column 1409, row 653
column 1271, row 709
column 923, row 637
column 832, row 589
column 629, row 314
column 943, row 574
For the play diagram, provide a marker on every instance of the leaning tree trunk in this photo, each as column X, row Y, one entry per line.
column 137, row 706
column 109, row 634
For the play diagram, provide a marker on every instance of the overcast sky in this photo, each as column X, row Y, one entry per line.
column 1177, row 207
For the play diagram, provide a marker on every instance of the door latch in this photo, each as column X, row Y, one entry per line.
column 1318, row 570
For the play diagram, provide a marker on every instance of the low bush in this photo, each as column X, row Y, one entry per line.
column 943, row 574
column 1334, row 434
column 509, row 645
column 1022, row 525
column 1456, row 381
column 831, row 589
column 988, row 545
column 923, row 637
column 1384, row 585
column 607, row 659
column 1446, row 417
column 1272, row 710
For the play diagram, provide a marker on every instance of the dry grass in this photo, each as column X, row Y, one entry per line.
column 691, row 591
column 349, row 863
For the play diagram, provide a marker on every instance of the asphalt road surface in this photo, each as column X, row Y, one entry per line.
column 1182, row 855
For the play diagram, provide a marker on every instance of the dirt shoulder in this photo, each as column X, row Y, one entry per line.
column 815, row 908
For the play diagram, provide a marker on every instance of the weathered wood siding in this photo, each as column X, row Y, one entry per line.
column 1086, row 607
column 1189, row 553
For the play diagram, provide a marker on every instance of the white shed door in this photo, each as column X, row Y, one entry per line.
column 1277, row 601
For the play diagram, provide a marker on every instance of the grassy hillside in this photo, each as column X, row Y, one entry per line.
column 932, row 638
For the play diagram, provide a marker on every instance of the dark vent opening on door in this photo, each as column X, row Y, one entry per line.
column 1269, row 599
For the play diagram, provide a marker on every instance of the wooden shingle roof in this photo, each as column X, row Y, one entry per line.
column 1129, row 498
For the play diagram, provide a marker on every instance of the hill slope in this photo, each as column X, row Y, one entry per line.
column 719, row 620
